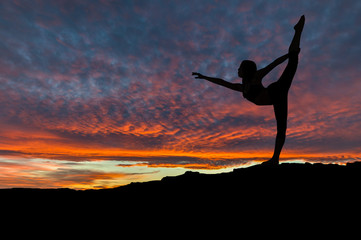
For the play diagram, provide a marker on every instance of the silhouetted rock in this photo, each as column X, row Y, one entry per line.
column 276, row 196
column 257, row 184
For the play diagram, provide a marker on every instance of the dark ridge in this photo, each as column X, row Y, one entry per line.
column 285, row 182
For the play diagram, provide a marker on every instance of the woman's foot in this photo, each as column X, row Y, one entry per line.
column 295, row 44
column 271, row 162
column 300, row 24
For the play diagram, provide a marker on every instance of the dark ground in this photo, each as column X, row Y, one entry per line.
column 261, row 198
column 286, row 182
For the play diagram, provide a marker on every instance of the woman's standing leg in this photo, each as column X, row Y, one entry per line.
column 281, row 112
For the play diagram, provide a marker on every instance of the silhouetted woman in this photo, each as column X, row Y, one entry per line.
column 275, row 94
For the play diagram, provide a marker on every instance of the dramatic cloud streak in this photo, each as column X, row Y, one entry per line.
column 102, row 81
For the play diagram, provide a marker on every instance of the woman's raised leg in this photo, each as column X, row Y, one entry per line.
column 294, row 49
column 295, row 44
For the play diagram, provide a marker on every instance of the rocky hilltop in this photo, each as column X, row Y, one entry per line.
column 285, row 182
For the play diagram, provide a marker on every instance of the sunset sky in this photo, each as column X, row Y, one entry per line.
column 97, row 94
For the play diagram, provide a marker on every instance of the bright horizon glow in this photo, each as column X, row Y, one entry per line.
column 81, row 175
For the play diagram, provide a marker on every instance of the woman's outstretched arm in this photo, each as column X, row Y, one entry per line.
column 233, row 86
column 264, row 71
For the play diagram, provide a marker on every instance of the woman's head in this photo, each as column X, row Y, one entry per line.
column 247, row 69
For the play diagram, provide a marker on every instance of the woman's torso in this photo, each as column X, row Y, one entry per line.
column 255, row 92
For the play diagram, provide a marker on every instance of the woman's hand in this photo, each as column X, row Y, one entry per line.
column 198, row 75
